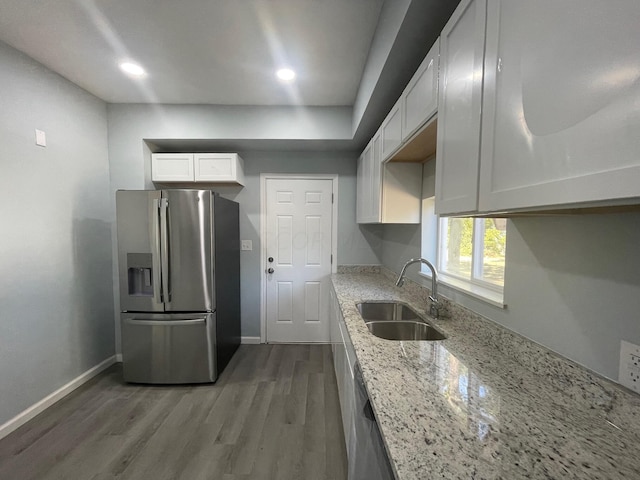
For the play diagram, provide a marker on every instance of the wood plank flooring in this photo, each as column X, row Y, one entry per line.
column 273, row 414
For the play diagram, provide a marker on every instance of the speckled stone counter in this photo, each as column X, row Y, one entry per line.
column 486, row 403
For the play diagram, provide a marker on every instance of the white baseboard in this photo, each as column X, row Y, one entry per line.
column 250, row 340
column 46, row 402
column 119, row 357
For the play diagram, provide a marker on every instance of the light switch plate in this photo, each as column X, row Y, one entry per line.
column 246, row 245
column 629, row 372
column 41, row 138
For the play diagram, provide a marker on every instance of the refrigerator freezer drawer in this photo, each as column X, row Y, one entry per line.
column 167, row 349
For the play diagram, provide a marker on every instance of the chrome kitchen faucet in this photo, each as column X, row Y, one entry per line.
column 433, row 309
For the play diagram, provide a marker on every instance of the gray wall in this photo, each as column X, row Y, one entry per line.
column 405, row 32
column 56, row 303
column 572, row 283
column 353, row 248
column 130, row 158
column 389, row 23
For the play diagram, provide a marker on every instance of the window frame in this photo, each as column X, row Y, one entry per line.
column 477, row 254
column 481, row 289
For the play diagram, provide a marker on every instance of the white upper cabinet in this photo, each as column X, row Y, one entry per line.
column 387, row 192
column 419, row 101
column 376, row 177
column 459, row 108
column 558, row 99
column 360, row 187
column 219, row 167
column 561, row 119
column 392, row 131
column 172, row 167
column 364, row 212
column 197, row 167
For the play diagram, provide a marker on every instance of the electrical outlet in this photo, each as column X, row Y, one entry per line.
column 629, row 372
column 246, row 245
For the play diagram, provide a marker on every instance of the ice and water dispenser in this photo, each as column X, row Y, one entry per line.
column 140, row 274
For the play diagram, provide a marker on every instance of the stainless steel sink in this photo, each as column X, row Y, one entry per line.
column 386, row 311
column 396, row 321
column 404, row 330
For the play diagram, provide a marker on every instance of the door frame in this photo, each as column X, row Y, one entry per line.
column 263, row 232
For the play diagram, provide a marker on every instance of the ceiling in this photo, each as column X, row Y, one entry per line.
column 200, row 51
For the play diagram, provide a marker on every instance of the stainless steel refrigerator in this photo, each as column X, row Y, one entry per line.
column 179, row 264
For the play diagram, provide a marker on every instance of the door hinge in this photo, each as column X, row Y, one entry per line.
column 332, row 259
column 332, row 198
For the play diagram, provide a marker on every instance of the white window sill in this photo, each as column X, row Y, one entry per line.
column 487, row 295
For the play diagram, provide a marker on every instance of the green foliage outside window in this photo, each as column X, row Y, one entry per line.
column 495, row 239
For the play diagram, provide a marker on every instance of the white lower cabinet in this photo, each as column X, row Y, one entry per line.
column 366, row 454
column 343, row 362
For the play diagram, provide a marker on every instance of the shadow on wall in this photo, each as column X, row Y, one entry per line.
column 91, row 331
column 572, row 285
column 595, row 246
column 373, row 236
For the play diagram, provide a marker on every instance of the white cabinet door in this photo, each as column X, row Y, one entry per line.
column 459, row 108
column 561, row 117
column 347, row 403
column 387, row 192
column 341, row 367
column 360, row 190
column 420, row 98
column 392, row 131
column 219, row 167
column 376, row 177
column 364, row 188
column 172, row 167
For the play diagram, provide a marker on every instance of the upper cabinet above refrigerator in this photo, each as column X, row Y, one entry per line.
column 227, row 168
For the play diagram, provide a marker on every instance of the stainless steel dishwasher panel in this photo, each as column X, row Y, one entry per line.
column 169, row 349
column 368, row 460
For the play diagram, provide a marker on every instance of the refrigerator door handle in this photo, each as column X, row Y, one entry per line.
column 166, row 323
column 155, row 251
column 164, row 245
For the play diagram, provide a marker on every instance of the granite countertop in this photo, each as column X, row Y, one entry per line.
column 486, row 403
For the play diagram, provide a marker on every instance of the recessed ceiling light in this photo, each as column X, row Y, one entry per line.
column 286, row 74
column 132, row 69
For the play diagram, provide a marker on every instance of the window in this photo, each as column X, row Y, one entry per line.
column 472, row 249
column 469, row 253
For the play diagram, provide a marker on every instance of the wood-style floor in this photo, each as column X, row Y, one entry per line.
column 273, row 414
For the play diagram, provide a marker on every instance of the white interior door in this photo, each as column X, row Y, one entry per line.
column 298, row 250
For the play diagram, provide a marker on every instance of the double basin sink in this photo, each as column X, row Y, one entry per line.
column 396, row 321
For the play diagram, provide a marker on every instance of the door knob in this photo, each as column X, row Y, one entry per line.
column 270, row 270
